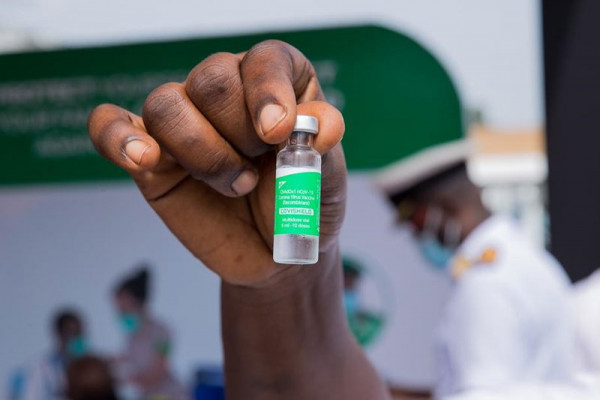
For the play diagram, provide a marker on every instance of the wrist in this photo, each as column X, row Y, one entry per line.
column 287, row 281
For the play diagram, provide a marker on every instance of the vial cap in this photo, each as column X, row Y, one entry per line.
column 306, row 123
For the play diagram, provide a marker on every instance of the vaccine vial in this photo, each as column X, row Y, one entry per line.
column 298, row 196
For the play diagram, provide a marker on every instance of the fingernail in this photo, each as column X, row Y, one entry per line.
column 270, row 116
column 135, row 149
column 245, row 182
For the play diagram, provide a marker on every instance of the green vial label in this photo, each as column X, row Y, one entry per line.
column 298, row 203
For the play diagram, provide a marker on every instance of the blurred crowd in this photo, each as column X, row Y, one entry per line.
column 71, row 370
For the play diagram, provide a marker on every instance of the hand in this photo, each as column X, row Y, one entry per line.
column 203, row 155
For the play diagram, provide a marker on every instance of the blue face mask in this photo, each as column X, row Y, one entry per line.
column 129, row 322
column 350, row 301
column 437, row 254
column 77, row 347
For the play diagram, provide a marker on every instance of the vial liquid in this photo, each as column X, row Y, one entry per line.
column 298, row 196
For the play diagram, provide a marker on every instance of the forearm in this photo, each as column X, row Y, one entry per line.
column 291, row 341
column 401, row 393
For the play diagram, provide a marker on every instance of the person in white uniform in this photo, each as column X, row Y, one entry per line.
column 587, row 312
column 507, row 320
column 579, row 388
column 46, row 378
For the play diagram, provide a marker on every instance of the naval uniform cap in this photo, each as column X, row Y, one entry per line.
column 400, row 177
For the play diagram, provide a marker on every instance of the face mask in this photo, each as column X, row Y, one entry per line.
column 436, row 253
column 129, row 322
column 350, row 301
column 77, row 347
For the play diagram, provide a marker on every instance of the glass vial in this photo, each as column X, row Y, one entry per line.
column 298, row 196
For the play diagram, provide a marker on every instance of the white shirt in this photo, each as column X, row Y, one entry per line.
column 587, row 314
column 507, row 322
column 583, row 387
column 46, row 379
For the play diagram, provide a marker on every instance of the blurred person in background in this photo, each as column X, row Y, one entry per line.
column 46, row 380
column 144, row 363
column 576, row 389
column 508, row 318
column 587, row 314
column 90, row 378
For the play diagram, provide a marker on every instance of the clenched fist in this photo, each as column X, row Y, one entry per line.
column 203, row 155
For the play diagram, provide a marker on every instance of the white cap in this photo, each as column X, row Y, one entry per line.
column 407, row 173
column 306, row 123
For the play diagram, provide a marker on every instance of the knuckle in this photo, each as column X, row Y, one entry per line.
column 216, row 167
column 218, row 164
column 270, row 44
column 274, row 60
column 268, row 49
column 215, row 79
column 302, row 71
column 164, row 107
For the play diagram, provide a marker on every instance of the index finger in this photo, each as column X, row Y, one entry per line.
column 276, row 77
